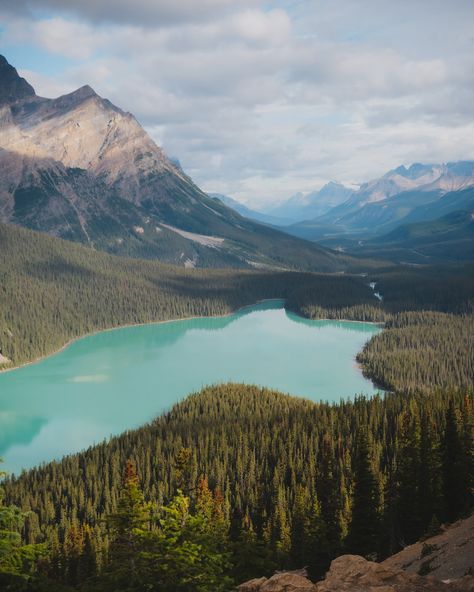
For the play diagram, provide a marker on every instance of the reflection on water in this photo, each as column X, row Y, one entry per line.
column 106, row 383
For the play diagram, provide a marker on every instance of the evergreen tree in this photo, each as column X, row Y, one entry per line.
column 467, row 456
column 455, row 482
column 18, row 562
column 319, row 550
column 408, row 471
column 251, row 558
column 127, row 526
column 390, row 541
column 429, row 481
column 299, row 552
column 364, row 526
column 328, row 493
column 181, row 555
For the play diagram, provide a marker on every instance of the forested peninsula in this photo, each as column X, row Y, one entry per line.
column 53, row 291
column 258, row 480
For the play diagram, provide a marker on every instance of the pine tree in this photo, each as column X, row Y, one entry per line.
column 328, row 492
column 429, row 485
column 300, row 529
column 390, row 541
column 454, row 477
column 467, row 456
column 319, row 550
column 126, row 527
column 181, row 555
column 364, row 526
column 251, row 558
column 17, row 561
column 408, row 471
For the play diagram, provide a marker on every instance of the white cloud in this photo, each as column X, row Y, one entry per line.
column 261, row 103
column 144, row 12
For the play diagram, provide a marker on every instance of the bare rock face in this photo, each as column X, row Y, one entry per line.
column 80, row 168
column 82, row 130
column 280, row 582
column 252, row 585
column 351, row 573
column 12, row 86
column 448, row 555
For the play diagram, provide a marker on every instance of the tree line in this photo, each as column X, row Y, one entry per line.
column 52, row 291
column 277, row 481
column 421, row 351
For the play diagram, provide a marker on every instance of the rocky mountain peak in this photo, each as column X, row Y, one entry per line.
column 12, row 86
column 84, row 92
column 81, row 168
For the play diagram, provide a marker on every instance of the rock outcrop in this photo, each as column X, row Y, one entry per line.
column 12, row 87
column 351, row 573
column 80, row 168
column 446, row 556
column 280, row 582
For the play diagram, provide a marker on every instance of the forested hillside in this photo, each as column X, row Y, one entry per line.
column 286, row 482
column 105, row 183
column 429, row 323
column 421, row 351
column 52, row 290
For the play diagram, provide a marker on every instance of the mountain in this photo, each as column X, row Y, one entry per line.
column 80, row 168
column 13, row 87
column 386, row 201
column 249, row 213
column 450, row 238
column 305, row 206
column 94, row 290
column 447, row 239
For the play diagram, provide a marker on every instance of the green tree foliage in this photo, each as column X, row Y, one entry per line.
column 127, row 526
column 172, row 548
column 422, row 351
column 457, row 459
column 52, row 291
column 364, row 526
column 18, row 562
column 290, row 481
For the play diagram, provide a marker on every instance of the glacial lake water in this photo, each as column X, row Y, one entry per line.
column 116, row 380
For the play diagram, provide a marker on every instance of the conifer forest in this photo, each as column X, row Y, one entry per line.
column 236, row 296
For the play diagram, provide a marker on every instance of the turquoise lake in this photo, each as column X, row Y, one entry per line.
column 116, row 380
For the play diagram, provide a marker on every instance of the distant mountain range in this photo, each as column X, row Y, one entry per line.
column 449, row 238
column 298, row 207
column 249, row 213
column 80, row 168
column 398, row 206
column 402, row 195
column 422, row 213
column 305, row 206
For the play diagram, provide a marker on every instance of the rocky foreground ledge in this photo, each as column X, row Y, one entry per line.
column 351, row 573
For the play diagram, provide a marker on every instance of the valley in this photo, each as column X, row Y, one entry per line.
column 417, row 215
column 198, row 395
column 86, row 390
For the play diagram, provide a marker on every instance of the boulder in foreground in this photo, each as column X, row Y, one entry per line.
column 351, row 573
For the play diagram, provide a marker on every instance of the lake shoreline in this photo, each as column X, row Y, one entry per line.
column 9, row 368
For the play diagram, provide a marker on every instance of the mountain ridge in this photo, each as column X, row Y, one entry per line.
column 80, row 168
column 13, row 86
column 304, row 206
column 421, row 183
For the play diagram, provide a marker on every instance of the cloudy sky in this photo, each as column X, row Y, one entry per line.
column 260, row 100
